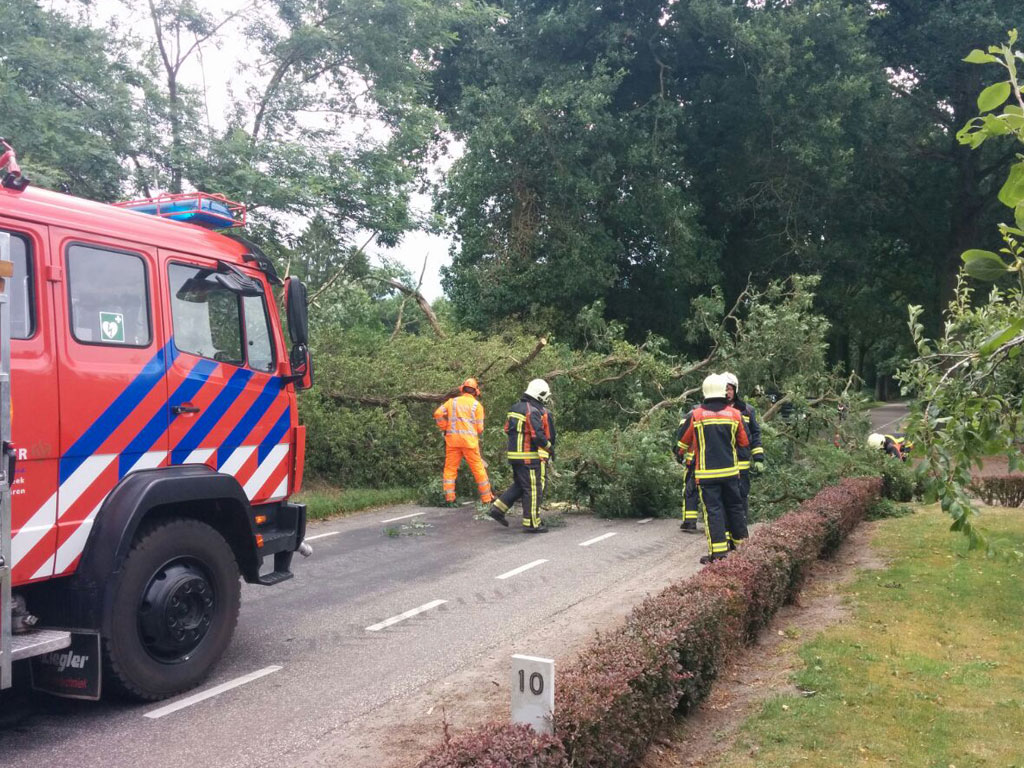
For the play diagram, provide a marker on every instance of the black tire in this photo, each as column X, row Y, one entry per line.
column 180, row 578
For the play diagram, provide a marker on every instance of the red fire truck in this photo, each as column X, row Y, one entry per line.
column 150, row 434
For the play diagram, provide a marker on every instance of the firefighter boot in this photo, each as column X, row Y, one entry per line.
column 707, row 559
column 498, row 515
column 689, row 526
column 540, row 528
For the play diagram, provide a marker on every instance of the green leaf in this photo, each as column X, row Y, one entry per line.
column 978, row 56
column 994, row 96
column 984, row 265
column 1018, row 215
column 998, row 338
column 1012, row 192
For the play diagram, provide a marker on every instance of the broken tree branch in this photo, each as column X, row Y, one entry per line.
column 384, row 401
column 669, row 402
column 424, row 305
column 401, row 309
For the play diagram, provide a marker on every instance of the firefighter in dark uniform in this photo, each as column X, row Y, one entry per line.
column 713, row 432
column 751, row 459
column 530, row 427
column 691, row 499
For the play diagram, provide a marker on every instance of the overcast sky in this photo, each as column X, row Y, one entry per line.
column 217, row 70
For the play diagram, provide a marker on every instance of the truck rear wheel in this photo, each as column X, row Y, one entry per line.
column 174, row 609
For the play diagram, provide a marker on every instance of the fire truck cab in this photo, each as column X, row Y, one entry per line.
column 149, row 422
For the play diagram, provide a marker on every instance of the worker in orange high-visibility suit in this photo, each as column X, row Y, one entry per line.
column 461, row 419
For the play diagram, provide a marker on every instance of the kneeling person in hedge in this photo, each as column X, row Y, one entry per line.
column 712, row 432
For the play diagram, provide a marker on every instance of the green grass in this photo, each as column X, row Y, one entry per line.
column 324, row 502
column 928, row 670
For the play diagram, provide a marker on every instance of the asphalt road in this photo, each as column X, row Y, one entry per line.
column 888, row 417
column 336, row 665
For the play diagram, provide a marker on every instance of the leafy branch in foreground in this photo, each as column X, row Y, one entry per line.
column 970, row 382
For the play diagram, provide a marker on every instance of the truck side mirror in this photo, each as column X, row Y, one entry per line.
column 297, row 311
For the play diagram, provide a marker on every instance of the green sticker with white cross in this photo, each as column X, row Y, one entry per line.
column 112, row 327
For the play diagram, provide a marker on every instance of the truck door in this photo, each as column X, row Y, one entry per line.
column 111, row 376
column 239, row 423
column 34, row 408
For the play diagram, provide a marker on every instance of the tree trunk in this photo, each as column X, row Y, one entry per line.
column 175, row 116
column 965, row 215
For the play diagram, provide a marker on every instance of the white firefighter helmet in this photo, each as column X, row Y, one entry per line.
column 730, row 378
column 538, row 389
column 714, row 386
column 876, row 440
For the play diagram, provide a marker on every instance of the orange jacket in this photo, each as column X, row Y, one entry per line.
column 462, row 421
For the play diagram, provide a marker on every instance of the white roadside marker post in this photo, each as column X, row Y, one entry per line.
column 533, row 692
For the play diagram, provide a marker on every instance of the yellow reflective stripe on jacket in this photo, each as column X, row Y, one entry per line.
column 708, row 474
column 759, row 451
column 523, row 455
column 744, row 465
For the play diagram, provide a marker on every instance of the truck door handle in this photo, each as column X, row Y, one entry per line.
column 177, row 410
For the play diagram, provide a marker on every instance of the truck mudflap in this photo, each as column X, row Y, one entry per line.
column 74, row 672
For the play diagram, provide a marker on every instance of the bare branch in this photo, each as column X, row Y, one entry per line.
column 668, row 403
column 519, row 364
column 383, row 401
column 424, row 305
column 775, row 408
column 401, row 308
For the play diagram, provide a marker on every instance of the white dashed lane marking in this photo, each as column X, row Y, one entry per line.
column 403, row 517
column 588, row 542
column 520, row 569
column 403, row 616
column 321, row 535
column 215, row 691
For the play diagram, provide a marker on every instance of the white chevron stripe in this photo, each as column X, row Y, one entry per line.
column 75, row 543
column 46, row 569
column 72, row 548
column 30, row 534
column 281, row 491
column 263, row 472
column 237, row 459
column 148, row 461
column 199, row 456
column 80, row 481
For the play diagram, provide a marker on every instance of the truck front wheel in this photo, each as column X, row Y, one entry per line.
column 174, row 609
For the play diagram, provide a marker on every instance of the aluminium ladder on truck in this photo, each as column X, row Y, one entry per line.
column 37, row 641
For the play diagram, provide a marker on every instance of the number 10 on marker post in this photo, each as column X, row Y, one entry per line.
column 533, row 692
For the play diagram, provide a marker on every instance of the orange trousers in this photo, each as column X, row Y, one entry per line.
column 454, row 454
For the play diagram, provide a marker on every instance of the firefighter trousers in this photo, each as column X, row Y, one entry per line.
column 454, row 454
column 528, row 482
column 724, row 521
column 691, row 499
column 745, row 492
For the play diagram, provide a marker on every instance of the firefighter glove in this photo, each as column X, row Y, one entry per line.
column 543, row 454
column 757, row 467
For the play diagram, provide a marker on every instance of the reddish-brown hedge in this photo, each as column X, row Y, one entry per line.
column 627, row 686
column 1001, row 490
column 498, row 746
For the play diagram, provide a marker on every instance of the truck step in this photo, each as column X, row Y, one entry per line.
column 275, row 577
column 38, row 642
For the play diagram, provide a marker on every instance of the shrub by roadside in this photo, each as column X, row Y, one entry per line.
column 621, row 691
column 498, row 746
column 1000, row 490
